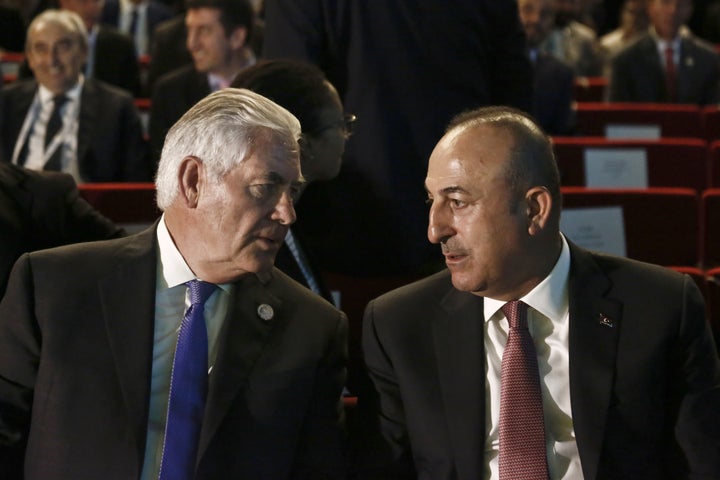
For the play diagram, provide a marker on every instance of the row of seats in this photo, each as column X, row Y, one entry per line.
column 667, row 162
column 667, row 226
column 647, row 120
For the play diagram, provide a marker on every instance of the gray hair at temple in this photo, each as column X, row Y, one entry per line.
column 70, row 21
column 220, row 130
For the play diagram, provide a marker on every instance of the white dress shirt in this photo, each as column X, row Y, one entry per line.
column 548, row 322
column 171, row 301
column 35, row 125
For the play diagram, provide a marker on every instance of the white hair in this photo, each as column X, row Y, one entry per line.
column 70, row 21
column 219, row 130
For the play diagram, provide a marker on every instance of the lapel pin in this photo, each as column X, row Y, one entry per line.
column 605, row 321
column 265, row 312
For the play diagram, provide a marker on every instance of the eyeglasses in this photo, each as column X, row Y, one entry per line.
column 347, row 125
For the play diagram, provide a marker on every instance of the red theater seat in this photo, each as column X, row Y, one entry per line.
column 710, row 228
column 590, row 89
column 661, row 224
column 674, row 120
column 123, row 203
column 671, row 162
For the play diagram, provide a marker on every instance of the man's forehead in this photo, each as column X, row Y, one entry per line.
column 272, row 165
column 57, row 31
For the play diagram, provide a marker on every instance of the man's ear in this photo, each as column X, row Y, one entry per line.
column 190, row 179
column 238, row 38
column 539, row 203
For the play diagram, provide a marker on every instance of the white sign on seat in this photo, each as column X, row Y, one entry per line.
column 616, row 167
column 600, row 229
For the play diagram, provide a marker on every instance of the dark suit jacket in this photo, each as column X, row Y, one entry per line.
column 645, row 393
column 110, row 143
column 76, row 342
column 115, row 61
column 638, row 76
column 168, row 50
column 173, row 95
column 405, row 68
column 553, row 95
column 42, row 210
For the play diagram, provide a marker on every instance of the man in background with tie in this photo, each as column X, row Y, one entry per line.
column 137, row 18
column 62, row 120
column 529, row 357
column 180, row 352
column 218, row 33
column 668, row 64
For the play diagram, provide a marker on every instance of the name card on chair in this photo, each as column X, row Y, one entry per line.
column 616, row 167
column 632, row 132
column 598, row 228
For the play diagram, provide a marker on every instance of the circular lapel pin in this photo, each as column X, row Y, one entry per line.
column 265, row 312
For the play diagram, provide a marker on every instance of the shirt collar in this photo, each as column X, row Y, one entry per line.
column 127, row 6
column 173, row 270
column 549, row 297
column 72, row 94
column 662, row 44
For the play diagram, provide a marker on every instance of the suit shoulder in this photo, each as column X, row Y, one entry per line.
column 430, row 289
column 48, row 184
column 95, row 255
column 705, row 51
column 633, row 275
column 107, row 90
column 19, row 87
column 179, row 76
column 298, row 293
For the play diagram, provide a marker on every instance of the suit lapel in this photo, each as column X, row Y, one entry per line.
column 595, row 321
column 128, row 301
column 655, row 71
column 459, row 345
column 243, row 338
column 685, row 72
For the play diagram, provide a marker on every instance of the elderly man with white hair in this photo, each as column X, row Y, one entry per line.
column 180, row 352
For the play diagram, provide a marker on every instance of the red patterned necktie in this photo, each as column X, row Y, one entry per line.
column 670, row 74
column 522, row 429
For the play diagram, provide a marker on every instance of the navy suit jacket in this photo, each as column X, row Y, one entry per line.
column 76, row 353
column 638, row 76
column 110, row 143
column 645, row 392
